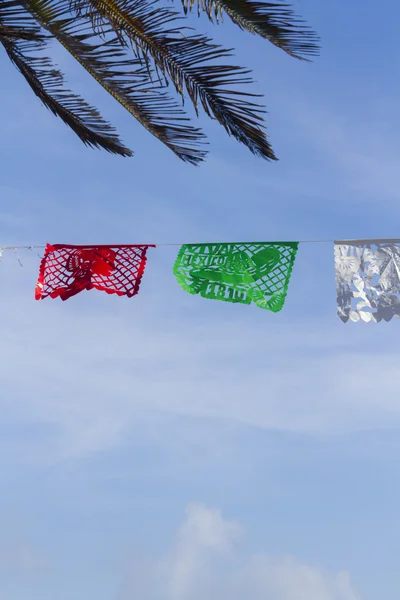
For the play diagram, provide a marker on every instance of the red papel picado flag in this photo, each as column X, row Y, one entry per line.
column 66, row 270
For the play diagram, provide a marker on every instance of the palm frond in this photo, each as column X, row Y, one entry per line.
column 20, row 36
column 123, row 77
column 16, row 24
column 101, row 35
column 184, row 59
column 274, row 21
column 18, row 33
column 47, row 83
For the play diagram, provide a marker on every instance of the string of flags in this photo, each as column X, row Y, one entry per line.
column 367, row 273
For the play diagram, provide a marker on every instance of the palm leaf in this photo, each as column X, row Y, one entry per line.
column 47, row 84
column 124, row 78
column 184, row 59
column 20, row 36
column 16, row 24
column 101, row 34
column 274, row 21
column 18, row 33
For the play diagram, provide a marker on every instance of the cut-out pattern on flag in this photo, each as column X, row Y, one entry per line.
column 368, row 280
column 244, row 273
column 66, row 270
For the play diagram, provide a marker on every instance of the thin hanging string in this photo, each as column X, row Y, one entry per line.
column 18, row 258
column 365, row 241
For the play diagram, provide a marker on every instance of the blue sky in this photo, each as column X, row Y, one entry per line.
column 166, row 446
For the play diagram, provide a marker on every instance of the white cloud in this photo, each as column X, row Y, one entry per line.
column 206, row 562
column 203, row 532
column 287, row 579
